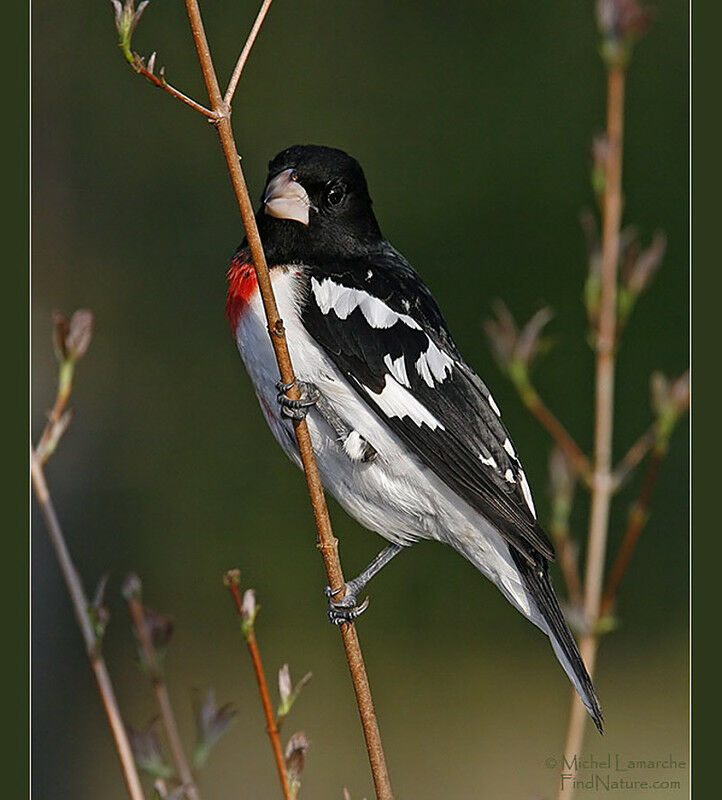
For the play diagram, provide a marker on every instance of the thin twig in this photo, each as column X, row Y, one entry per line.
column 241, row 63
column 140, row 67
column 638, row 515
column 531, row 399
column 327, row 543
column 92, row 642
column 137, row 613
column 602, row 483
column 634, row 456
column 231, row 580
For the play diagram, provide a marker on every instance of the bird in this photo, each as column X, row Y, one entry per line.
column 407, row 437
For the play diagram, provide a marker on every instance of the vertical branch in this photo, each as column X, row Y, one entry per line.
column 327, row 543
column 602, row 482
column 91, row 639
column 232, row 581
column 137, row 612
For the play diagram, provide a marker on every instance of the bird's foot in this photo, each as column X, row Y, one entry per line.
column 347, row 609
column 297, row 409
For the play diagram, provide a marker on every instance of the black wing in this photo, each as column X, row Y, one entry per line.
column 383, row 330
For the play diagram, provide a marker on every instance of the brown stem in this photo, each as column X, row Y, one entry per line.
column 241, row 63
column 140, row 67
column 637, row 520
column 558, row 432
column 92, row 644
column 161, row 693
column 602, row 483
column 271, row 726
column 327, row 543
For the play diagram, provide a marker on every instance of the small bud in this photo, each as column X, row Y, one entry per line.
column 211, row 723
column 679, row 392
column 670, row 400
column 284, row 684
column 530, row 343
column 515, row 349
column 79, row 334
column 295, row 756
column 160, row 627
column 151, row 62
column 621, row 23
column 249, row 609
column 232, row 577
column 126, row 19
column 638, row 271
column 147, row 751
column 287, row 692
column 138, row 14
column 132, row 588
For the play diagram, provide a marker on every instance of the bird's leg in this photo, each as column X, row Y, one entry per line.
column 365, row 452
column 347, row 609
column 297, row 409
column 311, row 396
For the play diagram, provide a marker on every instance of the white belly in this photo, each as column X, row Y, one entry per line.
column 394, row 495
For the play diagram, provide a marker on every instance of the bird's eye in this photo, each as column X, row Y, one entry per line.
column 335, row 194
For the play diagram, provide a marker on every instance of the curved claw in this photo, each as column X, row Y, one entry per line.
column 339, row 614
column 296, row 409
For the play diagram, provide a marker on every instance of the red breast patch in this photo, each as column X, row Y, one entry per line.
column 242, row 283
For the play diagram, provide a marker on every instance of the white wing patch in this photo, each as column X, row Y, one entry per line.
column 395, row 401
column 509, row 447
column 494, row 406
column 433, row 363
column 526, row 490
column 489, row 462
column 397, row 367
column 509, row 475
column 344, row 300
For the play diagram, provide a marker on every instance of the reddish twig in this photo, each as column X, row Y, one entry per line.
column 327, row 542
column 558, row 432
column 637, row 519
column 137, row 613
column 241, row 63
column 139, row 65
column 91, row 639
column 232, row 580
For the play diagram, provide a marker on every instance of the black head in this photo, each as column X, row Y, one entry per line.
column 316, row 205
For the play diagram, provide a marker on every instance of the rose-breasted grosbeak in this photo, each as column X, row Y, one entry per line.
column 407, row 437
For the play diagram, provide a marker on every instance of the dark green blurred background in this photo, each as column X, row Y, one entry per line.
column 473, row 122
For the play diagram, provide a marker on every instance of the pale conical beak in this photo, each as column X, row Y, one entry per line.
column 285, row 198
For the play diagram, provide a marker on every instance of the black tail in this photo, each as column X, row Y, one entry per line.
column 540, row 588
